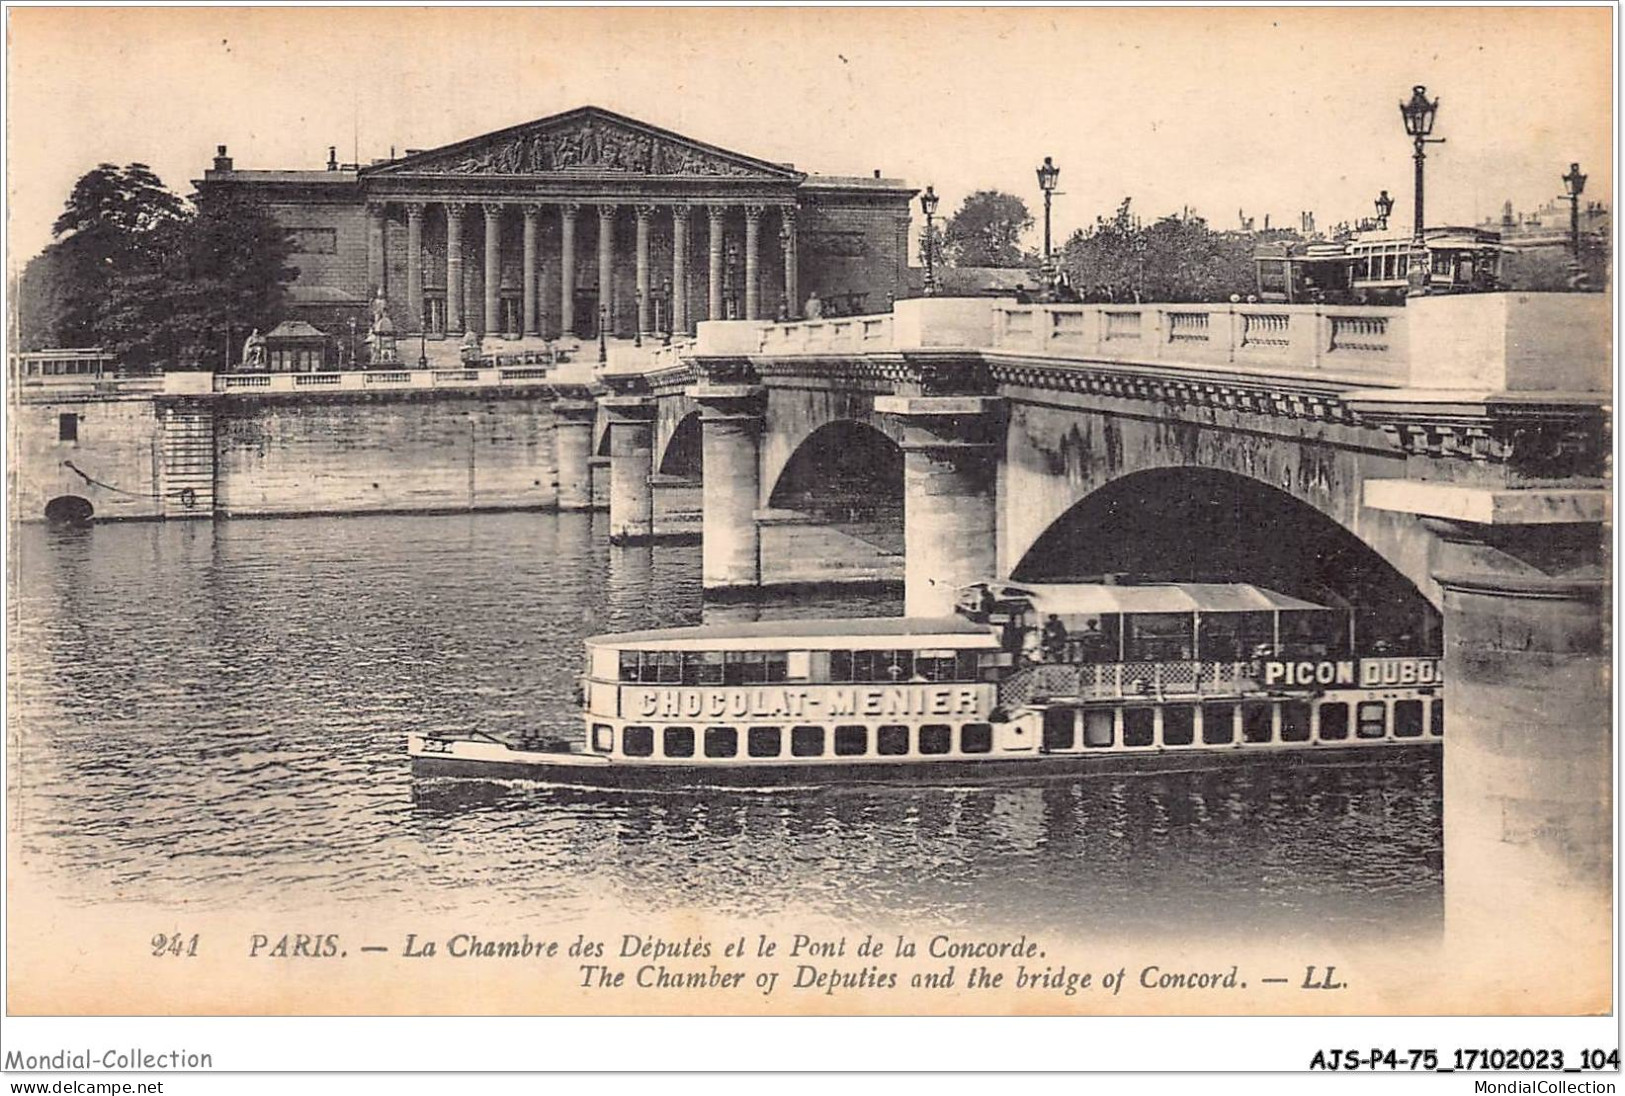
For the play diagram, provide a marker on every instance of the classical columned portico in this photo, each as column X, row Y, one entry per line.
column 414, row 265
column 714, row 269
column 493, row 268
column 567, row 265
column 454, row 267
column 532, row 219
column 641, row 256
column 679, row 269
column 606, row 264
column 377, row 249
column 753, row 264
column 787, row 244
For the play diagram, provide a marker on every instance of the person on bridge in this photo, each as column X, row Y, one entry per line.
column 815, row 307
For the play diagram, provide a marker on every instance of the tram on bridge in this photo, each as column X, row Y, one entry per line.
column 1374, row 267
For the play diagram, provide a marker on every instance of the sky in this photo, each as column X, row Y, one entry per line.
column 1263, row 110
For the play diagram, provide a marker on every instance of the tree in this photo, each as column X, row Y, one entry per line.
column 987, row 231
column 1178, row 258
column 159, row 283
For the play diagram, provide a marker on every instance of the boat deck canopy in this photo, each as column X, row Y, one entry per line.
column 782, row 635
column 1079, row 599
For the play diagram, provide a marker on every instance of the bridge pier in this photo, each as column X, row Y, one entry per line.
column 731, row 428
column 598, row 469
column 1528, row 802
column 572, row 440
column 631, row 462
column 950, row 508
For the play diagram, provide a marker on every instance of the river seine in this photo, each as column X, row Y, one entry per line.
column 216, row 714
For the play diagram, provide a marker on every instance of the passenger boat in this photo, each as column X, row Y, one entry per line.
column 1026, row 680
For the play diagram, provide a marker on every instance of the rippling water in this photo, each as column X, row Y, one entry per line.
column 217, row 714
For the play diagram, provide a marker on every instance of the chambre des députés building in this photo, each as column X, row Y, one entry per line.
column 531, row 230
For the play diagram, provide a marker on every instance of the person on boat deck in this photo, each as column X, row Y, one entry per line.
column 1092, row 644
column 1032, row 647
column 1054, row 639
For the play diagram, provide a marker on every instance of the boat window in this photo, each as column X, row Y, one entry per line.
column 603, row 737
column 1232, row 637
column 629, row 666
column 807, row 741
column 1178, row 725
column 1334, row 722
column 891, row 740
column 936, row 738
column 797, row 665
column 1314, row 633
column 1437, row 727
column 1159, row 637
column 638, row 742
column 721, row 742
column 1218, row 724
column 882, row 666
column 702, row 667
column 1371, row 719
column 840, row 666
column 764, row 742
column 976, row 738
column 664, row 667
column 936, row 665
column 1099, row 727
column 968, row 666
column 1139, row 726
column 677, row 742
column 776, row 664
column 1295, row 721
column 1257, row 722
column 1060, row 728
column 818, row 665
column 744, row 668
column 1407, row 718
column 851, row 740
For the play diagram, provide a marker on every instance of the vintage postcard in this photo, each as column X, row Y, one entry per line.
column 810, row 511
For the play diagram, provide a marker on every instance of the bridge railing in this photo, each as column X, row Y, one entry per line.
column 844, row 335
column 376, row 380
column 1363, row 344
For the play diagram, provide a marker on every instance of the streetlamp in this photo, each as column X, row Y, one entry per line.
column 1385, row 206
column 928, row 205
column 603, row 321
column 423, row 347
column 1419, row 115
column 1575, row 184
column 1047, row 174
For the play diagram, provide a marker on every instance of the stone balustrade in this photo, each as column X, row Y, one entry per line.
column 373, row 380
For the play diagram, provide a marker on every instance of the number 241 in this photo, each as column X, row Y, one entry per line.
column 175, row 944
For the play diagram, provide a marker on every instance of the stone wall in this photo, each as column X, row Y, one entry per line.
column 113, row 464
column 853, row 244
column 352, row 456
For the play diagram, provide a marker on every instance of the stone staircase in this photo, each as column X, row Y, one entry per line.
column 186, row 460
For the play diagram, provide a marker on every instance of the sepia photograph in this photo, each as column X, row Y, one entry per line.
column 809, row 511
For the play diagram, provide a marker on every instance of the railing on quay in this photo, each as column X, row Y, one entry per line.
column 375, row 380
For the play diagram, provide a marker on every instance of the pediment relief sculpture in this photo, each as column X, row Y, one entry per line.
column 588, row 145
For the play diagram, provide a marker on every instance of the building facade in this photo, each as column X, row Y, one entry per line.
column 541, row 229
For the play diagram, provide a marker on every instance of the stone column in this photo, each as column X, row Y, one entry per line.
column 1528, row 797
column 606, row 262
column 493, row 267
column 753, row 267
column 730, row 439
column 679, row 269
column 644, row 212
column 572, row 438
column 714, row 271
column 792, row 295
column 567, row 267
column 377, row 250
column 532, row 214
column 950, row 512
column 414, row 265
column 454, row 267
column 631, row 462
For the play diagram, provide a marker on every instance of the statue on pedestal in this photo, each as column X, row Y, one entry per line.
column 254, row 352
column 381, row 335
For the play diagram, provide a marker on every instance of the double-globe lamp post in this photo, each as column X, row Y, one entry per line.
column 928, row 204
column 1048, row 173
column 1419, row 115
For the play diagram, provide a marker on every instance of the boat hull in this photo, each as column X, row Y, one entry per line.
column 459, row 759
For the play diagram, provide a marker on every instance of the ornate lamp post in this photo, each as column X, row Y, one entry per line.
column 1419, row 115
column 1385, row 206
column 1048, row 173
column 423, row 347
column 1575, row 184
column 928, row 205
column 603, row 322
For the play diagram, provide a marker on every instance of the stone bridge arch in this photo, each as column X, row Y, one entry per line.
column 677, row 447
column 794, row 415
column 1059, row 458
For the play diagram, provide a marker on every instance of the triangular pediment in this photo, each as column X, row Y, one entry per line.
column 585, row 141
